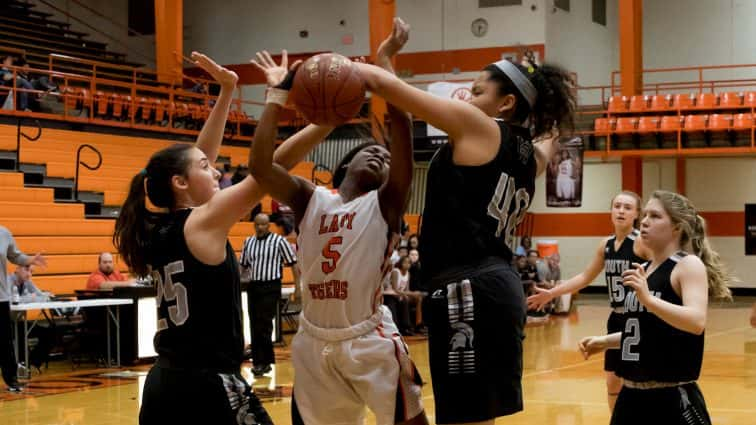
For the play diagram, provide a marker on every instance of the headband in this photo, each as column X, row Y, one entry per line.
column 520, row 80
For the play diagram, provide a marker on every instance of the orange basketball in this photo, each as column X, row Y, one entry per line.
column 328, row 89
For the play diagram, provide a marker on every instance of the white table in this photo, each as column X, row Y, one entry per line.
column 47, row 305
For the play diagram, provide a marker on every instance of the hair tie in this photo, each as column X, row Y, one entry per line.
column 143, row 171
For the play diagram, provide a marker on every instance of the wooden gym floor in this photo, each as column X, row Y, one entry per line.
column 560, row 388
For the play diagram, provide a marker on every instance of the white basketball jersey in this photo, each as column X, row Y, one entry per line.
column 343, row 252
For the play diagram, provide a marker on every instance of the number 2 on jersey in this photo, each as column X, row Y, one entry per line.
column 632, row 329
column 332, row 256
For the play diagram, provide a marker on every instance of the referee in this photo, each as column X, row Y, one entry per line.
column 263, row 256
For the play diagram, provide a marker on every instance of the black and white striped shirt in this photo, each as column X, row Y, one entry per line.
column 265, row 257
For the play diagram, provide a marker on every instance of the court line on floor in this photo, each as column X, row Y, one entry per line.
column 599, row 358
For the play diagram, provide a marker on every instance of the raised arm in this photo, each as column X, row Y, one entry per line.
column 272, row 178
column 295, row 148
column 573, row 284
column 211, row 135
column 474, row 135
column 395, row 193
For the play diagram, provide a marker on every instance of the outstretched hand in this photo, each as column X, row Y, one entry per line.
column 274, row 74
column 538, row 300
column 591, row 345
column 225, row 77
column 394, row 42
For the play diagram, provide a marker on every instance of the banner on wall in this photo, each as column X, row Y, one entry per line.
column 564, row 175
column 461, row 91
column 750, row 229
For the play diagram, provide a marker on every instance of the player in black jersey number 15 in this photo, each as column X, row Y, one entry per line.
column 662, row 339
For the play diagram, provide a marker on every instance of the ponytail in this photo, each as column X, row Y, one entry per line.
column 132, row 229
column 693, row 234
column 135, row 222
column 716, row 273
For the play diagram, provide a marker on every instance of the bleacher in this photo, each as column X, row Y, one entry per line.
column 44, row 218
column 37, row 33
column 674, row 121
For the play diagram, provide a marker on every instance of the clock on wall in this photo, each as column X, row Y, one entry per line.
column 479, row 27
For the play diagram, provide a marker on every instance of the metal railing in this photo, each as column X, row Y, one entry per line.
column 19, row 134
column 89, row 167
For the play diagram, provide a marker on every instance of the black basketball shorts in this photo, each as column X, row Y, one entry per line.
column 476, row 323
column 679, row 405
column 613, row 358
column 188, row 396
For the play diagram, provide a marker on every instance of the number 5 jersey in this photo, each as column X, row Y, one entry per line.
column 342, row 251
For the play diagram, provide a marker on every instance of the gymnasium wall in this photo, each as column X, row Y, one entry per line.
column 582, row 46
column 115, row 10
column 714, row 185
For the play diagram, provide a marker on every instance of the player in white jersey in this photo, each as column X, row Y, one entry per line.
column 348, row 354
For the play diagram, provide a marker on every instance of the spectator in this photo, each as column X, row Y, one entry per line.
column 400, row 278
column 39, row 82
column 548, row 270
column 225, row 172
column 283, row 216
column 416, row 270
column 398, row 305
column 413, row 242
column 24, row 290
column 239, row 175
column 23, row 287
column 263, row 257
column 106, row 276
column 9, row 252
column 525, row 245
column 534, row 278
column 22, row 84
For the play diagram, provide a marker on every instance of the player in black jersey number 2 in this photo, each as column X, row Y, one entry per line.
column 662, row 340
column 614, row 255
column 185, row 248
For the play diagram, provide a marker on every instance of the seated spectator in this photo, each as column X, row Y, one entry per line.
column 416, row 270
column 106, row 277
column 22, row 287
column 398, row 305
column 24, row 290
column 400, row 278
column 525, row 245
column 532, row 273
column 413, row 242
column 22, row 97
column 283, row 216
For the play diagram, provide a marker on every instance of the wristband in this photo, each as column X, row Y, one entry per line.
column 277, row 96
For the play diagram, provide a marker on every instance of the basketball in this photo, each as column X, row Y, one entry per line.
column 328, row 89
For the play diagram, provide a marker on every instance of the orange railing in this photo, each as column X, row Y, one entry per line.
column 95, row 99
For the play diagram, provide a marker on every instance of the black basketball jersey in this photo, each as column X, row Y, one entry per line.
column 652, row 349
column 616, row 262
column 199, row 306
column 471, row 212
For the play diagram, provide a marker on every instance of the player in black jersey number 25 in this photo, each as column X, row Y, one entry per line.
column 662, row 340
column 185, row 248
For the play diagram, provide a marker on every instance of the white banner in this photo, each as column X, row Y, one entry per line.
column 461, row 91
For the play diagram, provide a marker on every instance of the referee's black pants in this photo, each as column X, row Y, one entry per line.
column 263, row 297
column 7, row 355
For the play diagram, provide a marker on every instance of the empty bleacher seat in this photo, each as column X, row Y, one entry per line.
column 661, row 102
column 617, row 104
column 626, row 125
column 731, row 100
column 638, row 103
column 749, row 99
column 682, row 101
column 706, row 101
column 648, row 124
column 695, row 123
column 720, row 122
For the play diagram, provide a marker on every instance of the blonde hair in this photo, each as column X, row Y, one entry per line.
column 692, row 228
column 638, row 205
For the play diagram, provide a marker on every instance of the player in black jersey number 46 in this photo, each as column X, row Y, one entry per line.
column 662, row 340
